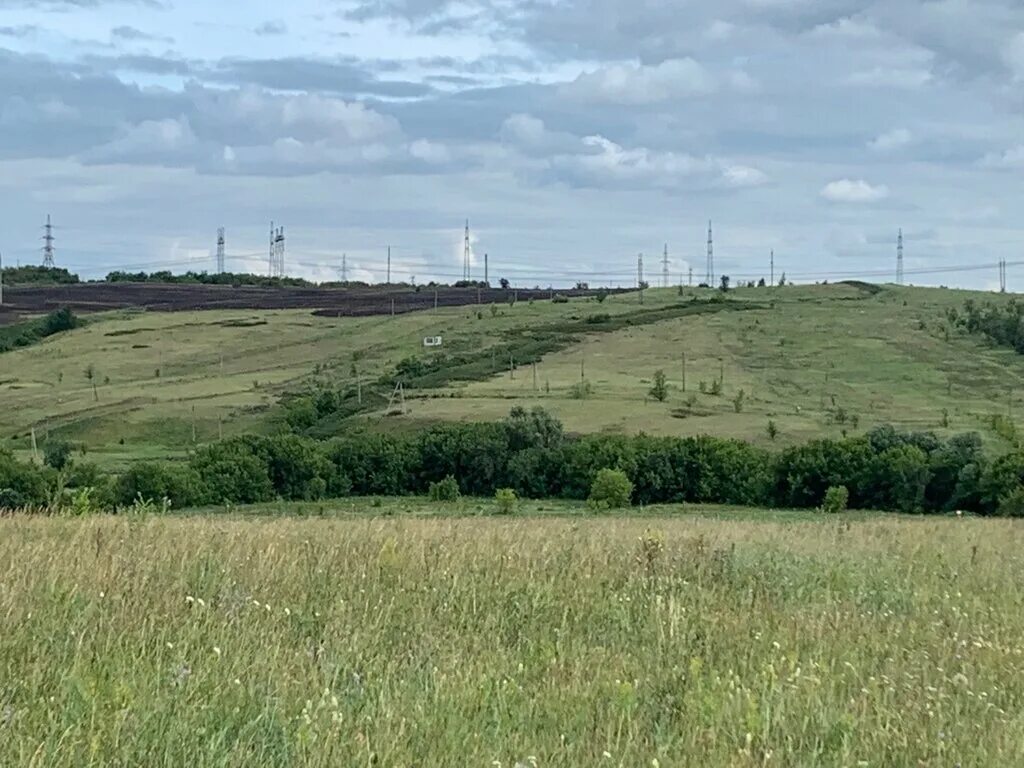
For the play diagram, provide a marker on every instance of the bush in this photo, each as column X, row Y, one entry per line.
column 611, row 489
column 444, row 490
column 505, row 501
column 660, row 389
column 152, row 482
column 836, row 499
column 1012, row 504
column 57, row 454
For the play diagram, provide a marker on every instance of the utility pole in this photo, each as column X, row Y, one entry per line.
column 711, row 258
column 48, row 244
column 640, row 275
column 487, row 272
column 1, row 279
column 466, row 254
column 899, row 258
column 344, row 268
column 664, row 268
column 389, row 268
column 689, row 282
column 1002, row 275
column 770, row 284
column 220, row 250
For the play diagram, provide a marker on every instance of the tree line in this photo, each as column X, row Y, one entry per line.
column 1001, row 322
column 529, row 452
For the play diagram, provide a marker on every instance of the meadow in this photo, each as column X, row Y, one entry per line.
column 817, row 361
column 668, row 640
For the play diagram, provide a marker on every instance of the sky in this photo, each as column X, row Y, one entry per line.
column 572, row 134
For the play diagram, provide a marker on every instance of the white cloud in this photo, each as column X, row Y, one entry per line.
column 151, row 141
column 1012, row 158
column 905, row 78
column 849, row 191
column 639, row 84
column 891, row 140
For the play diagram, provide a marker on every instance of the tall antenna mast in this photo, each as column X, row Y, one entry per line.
column 711, row 258
column 279, row 253
column 664, row 268
column 220, row 250
column 273, row 244
column 466, row 254
column 48, row 244
column 344, row 268
column 772, row 282
column 389, row 266
column 899, row 258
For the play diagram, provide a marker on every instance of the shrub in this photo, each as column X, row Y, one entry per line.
column 1012, row 504
column 611, row 489
column 581, row 390
column 505, row 501
column 836, row 499
column 773, row 430
column 444, row 490
column 57, row 454
column 660, row 389
column 149, row 481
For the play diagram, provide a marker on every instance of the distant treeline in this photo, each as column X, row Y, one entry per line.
column 530, row 453
column 207, row 278
column 1001, row 322
column 33, row 331
column 38, row 276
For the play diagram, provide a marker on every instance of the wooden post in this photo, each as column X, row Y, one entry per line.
column 684, row 371
column 193, row 423
column 534, row 377
column 511, row 366
column 435, row 299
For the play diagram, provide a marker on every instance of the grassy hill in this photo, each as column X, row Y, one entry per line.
column 815, row 360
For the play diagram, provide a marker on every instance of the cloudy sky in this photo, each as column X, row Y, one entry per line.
column 573, row 134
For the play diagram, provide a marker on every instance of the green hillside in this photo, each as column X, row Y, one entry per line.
column 814, row 360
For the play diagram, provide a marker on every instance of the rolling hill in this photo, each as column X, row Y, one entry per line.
column 813, row 360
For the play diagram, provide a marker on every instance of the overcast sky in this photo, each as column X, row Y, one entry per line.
column 572, row 133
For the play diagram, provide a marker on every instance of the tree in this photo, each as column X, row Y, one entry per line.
column 782, row 280
column 444, row 490
column 503, row 282
column 611, row 489
column 660, row 389
column 505, row 501
column 773, row 430
column 724, row 286
column 57, row 454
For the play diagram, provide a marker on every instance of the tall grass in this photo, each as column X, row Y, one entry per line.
column 205, row 642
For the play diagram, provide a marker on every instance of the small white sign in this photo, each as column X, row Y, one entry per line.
column 432, row 341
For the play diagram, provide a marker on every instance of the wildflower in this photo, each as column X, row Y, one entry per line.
column 287, row 612
column 606, row 754
column 216, row 651
column 237, row 681
column 189, row 599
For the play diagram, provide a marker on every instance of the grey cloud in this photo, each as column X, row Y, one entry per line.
column 276, row 27
column 132, row 34
column 299, row 74
column 21, row 31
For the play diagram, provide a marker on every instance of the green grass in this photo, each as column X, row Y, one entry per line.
column 669, row 641
column 801, row 355
column 820, row 353
column 222, row 371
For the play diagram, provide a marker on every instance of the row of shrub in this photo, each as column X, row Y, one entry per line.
column 530, row 454
column 37, row 275
column 30, row 332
